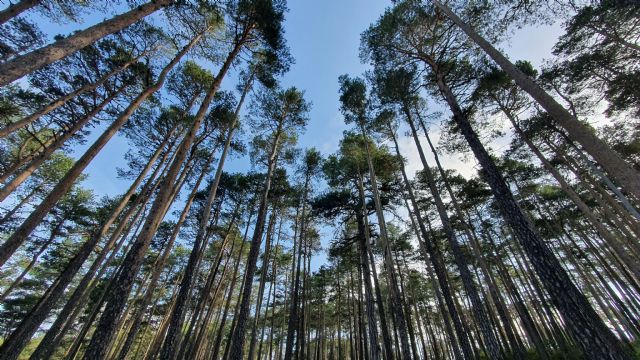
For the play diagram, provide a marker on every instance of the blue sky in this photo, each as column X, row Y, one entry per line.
column 324, row 38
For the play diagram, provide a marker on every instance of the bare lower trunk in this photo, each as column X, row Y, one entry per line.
column 430, row 248
column 596, row 340
column 237, row 338
column 478, row 308
column 103, row 335
column 25, row 64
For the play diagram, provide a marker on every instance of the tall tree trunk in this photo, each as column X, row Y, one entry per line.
column 482, row 319
column 18, row 339
column 159, row 265
column 118, row 296
column 16, row 9
column 396, row 301
column 295, row 286
column 616, row 166
column 27, row 227
column 218, row 339
column 237, row 338
column 266, row 258
column 431, row 248
column 371, row 266
column 172, row 340
column 366, row 264
column 25, row 64
column 596, row 340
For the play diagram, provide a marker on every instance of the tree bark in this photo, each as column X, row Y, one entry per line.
column 237, row 338
column 27, row 227
column 25, row 64
column 616, row 166
column 65, row 98
column 593, row 336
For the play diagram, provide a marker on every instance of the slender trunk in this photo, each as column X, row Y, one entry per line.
column 27, row 227
column 172, row 340
column 218, row 340
column 8, row 129
column 482, row 319
column 158, row 266
column 266, row 256
column 596, row 340
column 38, row 314
column 16, row 9
column 118, row 296
column 396, row 301
column 366, row 264
column 295, row 286
column 370, row 264
column 615, row 165
column 37, row 159
column 431, row 248
column 25, row 64
column 237, row 338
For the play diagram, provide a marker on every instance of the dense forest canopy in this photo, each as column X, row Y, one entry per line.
column 530, row 250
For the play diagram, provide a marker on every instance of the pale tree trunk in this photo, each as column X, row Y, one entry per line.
column 295, row 271
column 613, row 163
column 594, row 337
column 396, row 301
column 25, row 64
column 37, row 159
column 431, row 250
column 366, row 265
column 172, row 341
column 159, row 265
column 65, row 98
column 69, row 311
column 28, row 226
column 370, row 262
column 16, row 9
column 101, row 339
column 234, row 278
column 28, row 326
column 266, row 258
column 478, row 308
column 237, row 338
